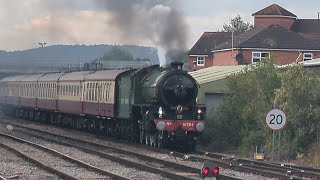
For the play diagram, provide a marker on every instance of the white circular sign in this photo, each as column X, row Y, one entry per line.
column 276, row 119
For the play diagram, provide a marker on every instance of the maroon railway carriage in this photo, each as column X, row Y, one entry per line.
column 47, row 91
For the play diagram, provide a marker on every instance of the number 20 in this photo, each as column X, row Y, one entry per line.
column 278, row 119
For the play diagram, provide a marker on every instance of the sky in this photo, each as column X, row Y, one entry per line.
column 158, row 23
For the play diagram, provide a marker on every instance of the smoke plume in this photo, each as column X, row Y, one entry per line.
column 158, row 22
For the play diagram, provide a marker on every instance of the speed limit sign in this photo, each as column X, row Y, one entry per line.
column 276, row 119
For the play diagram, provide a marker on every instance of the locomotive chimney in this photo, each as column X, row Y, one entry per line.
column 177, row 65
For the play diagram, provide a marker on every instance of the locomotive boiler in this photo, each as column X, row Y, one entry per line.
column 151, row 105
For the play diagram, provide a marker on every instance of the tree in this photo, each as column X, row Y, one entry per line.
column 259, row 88
column 299, row 97
column 239, row 123
column 237, row 25
column 117, row 54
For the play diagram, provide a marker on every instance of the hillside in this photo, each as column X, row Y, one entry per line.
column 51, row 57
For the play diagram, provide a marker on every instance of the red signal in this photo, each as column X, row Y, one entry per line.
column 215, row 170
column 206, row 171
column 210, row 169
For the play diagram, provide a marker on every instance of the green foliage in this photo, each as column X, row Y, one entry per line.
column 239, row 124
column 237, row 24
column 244, row 108
column 117, row 54
column 298, row 97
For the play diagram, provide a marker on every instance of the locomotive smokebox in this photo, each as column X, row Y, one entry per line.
column 177, row 65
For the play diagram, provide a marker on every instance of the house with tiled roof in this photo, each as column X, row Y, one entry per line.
column 277, row 33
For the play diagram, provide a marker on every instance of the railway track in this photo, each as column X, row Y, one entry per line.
column 288, row 169
column 148, row 162
column 140, row 161
column 60, row 164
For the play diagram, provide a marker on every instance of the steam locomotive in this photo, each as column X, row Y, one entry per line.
column 151, row 105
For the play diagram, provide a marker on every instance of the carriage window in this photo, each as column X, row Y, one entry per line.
column 96, row 89
column 103, row 89
column 108, row 91
column 27, row 90
column 77, row 90
column 31, row 89
column 45, row 90
column 34, row 89
column 38, row 87
column 74, row 91
column 40, row 91
column 87, row 92
column 53, row 90
column 50, row 90
column 92, row 92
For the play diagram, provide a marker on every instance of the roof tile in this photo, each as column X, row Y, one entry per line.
column 208, row 41
column 274, row 9
column 281, row 38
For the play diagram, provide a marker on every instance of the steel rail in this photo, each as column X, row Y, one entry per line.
column 126, row 152
column 81, row 163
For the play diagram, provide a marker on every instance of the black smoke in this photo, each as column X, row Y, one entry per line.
column 159, row 22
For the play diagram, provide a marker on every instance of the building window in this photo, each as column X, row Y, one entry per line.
column 200, row 60
column 307, row 56
column 258, row 56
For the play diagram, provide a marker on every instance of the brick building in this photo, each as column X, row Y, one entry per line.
column 276, row 32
